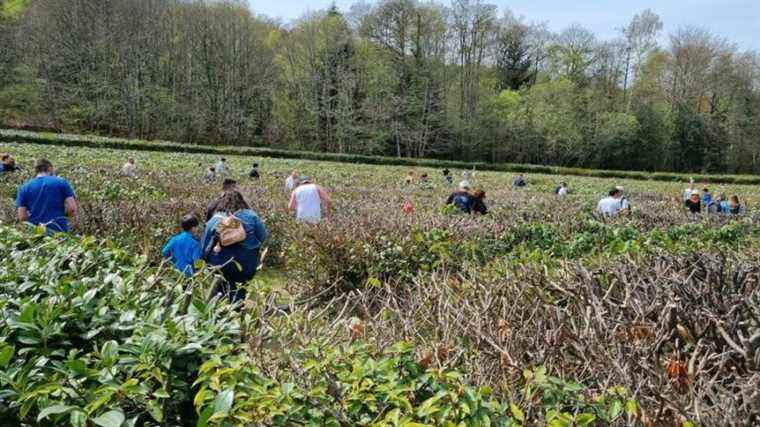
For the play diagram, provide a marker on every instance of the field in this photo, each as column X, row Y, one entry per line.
column 539, row 313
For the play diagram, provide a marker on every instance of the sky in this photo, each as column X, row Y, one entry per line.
column 736, row 20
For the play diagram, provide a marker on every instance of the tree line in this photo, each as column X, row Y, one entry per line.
column 396, row 77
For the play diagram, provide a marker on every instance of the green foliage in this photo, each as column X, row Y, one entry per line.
column 7, row 135
column 90, row 335
column 11, row 9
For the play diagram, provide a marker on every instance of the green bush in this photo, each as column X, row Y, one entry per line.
column 92, row 335
column 7, row 135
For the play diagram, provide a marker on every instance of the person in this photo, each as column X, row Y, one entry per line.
column 519, row 181
column 562, row 190
column 461, row 198
column 734, row 206
column 424, row 178
column 184, row 249
column 129, row 169
column 228, row 185
column 466, row 175
column 239, row 261
column 292, row 181
column 254, row 173
column 720, row 204
column 47, row 199
column 307, row 201
column 221, row 167
column 8, row 163
column 694, row 203
column 689, row 189
column 478, row 205
column 707, row 199
column 447, row 176
column 624, row 203
column 613, row 204
column 210, row 175
column 408, row 207
column 409, row 180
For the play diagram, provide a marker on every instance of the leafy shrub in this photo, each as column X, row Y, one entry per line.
column 7, row 135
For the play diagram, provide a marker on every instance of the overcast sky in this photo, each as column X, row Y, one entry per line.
column 736, row 20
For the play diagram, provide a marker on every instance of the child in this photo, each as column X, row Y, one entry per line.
column 184, row 248
column 254, row 174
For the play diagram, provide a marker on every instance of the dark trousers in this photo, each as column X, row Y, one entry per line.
column 238, row 266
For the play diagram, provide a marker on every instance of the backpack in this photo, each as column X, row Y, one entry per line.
column 229, row 231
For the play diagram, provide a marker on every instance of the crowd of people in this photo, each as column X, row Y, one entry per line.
column 233, row 234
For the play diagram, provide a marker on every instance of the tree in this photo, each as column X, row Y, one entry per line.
column 641, row 39
column 572, row 54
column 513, row 60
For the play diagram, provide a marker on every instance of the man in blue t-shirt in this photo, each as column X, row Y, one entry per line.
column 47, row 199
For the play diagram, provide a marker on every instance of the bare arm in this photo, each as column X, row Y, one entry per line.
column 70, row 206
column 23, row 214
column 292, row 204
column 325, row 198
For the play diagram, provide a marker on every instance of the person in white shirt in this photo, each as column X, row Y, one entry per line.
column 221, row 167
column 612, row 205
column 562, row 190
column 307, row 200
column 292, row 181
column 687, row 192
column 129, row 169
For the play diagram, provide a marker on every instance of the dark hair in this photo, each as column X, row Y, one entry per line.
column 4, row 156
column 228, row 184
column 43, row 165
column 706, row 190
column 212, row 169
column 615, row 191
column 189, row 222
column 223, row 159
column 255, row 165
column 230, row 202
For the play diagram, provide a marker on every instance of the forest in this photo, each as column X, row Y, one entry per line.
column 456, row 80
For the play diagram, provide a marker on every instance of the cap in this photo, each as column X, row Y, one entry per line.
column 464, row 185
column 305, row 179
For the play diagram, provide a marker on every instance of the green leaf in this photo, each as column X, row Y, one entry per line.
column 616, row 408
column 78, row 418
column 155, row 410
column 223, row 401
column 584, row 419
column 517, row 412
column 53, row 410
column 6, row 354
column 631, row 408
column 113, row 418
column 204, row 417
column 110, row 350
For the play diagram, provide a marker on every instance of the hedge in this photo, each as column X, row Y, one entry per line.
column 9, row 135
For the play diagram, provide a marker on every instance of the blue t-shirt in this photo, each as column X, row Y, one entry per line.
column 183, row 249
column 44, row 198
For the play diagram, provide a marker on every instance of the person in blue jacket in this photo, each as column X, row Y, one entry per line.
column 47, row 200
column 238, row 262
column 184, row 248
